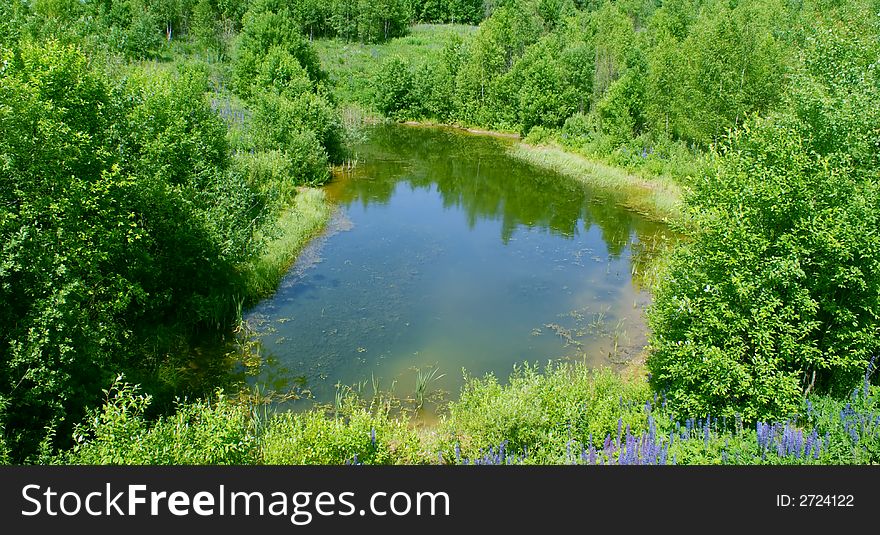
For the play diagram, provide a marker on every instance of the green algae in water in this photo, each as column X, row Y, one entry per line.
column 447, row 253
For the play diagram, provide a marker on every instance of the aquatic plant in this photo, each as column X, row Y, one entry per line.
column 423, row 379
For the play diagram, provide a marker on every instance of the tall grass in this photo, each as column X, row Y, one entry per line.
column 423, row 379
column 307, row 215
column 659, row 197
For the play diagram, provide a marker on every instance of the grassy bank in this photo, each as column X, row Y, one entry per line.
column 567, row 414
column 656, row 197
column 302, row 221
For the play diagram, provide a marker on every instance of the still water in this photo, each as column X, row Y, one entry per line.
column 446, row 253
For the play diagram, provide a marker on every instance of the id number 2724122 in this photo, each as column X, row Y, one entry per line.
column 815, row 500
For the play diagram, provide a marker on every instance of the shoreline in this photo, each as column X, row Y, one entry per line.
column 658, row 198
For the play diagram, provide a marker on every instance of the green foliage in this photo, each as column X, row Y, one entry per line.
column 281, row 73
column 451, row 11
column 202, row 432
column 394, row 89
column 13, row 14
column 501, row 39
column 539, row 81
column 174, row 132
column 735, row 66
column 204, row 28
column 362, row 20
column 58, row 325
column 354, row 435
column 279, row 124
column 541, row 412
column 134, row 29
column 271, row 172
column 777, row 294
column 119, row 219
column 264, row 29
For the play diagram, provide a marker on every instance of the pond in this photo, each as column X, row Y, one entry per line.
column 446, row 253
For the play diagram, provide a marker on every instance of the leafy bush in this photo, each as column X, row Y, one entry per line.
column 200, row 432
column 266, row 27
column 281, row 73
column 778, row 294
column 119, row 220
column 134, row 30
column 394, row 89
column 279, row 124
column 271, row 172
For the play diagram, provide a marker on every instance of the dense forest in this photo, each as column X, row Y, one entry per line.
column 156, row 158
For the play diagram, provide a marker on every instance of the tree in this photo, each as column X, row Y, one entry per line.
column 734, row 66
column 262, row 30
column 394, row 88
column 778, row 294
column 204, row 25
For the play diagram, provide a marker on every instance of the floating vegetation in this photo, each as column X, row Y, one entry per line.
column 565, row 334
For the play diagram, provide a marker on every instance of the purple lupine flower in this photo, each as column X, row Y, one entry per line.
column 759, row 428
column 373, row 436
column 619, row 429
column 854, row 434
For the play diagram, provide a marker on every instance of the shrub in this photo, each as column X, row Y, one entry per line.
column 279, row 124
column 394, row 89
column 200, row 432
column 779, row 294
column 282, row 73
column 271, row 172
